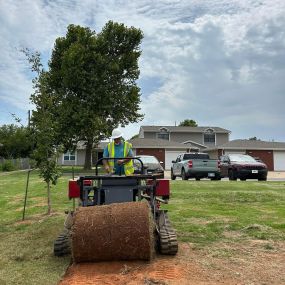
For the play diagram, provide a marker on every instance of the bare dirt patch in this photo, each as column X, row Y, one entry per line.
column 248, row 262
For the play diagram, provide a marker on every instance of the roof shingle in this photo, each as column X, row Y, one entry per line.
column 183, row 129
column 252, row 144
column 153, row 143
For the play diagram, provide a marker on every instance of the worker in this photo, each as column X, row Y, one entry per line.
column 120, row 149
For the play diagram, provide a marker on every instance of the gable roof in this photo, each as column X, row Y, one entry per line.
column 189, row 142
column 252, row 144
column 183, row 129
column 153, row 143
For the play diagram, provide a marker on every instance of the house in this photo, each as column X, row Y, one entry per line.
column 203, row 137
column 164, row 142
column 167, row 142
column 182, row 138
column 77, row 157
column 271, row 153
column 163, row 150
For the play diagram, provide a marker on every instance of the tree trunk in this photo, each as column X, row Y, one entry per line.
column 88, row 153
column 48, row 199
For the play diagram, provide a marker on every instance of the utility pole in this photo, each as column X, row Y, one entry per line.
column 29, row 118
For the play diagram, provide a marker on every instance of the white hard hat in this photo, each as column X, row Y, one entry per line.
column 116, row 133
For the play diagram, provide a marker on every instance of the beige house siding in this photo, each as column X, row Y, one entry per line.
column 183, row 137
column 79, row 158
column 149, row 135
column 141, row 134
column 222, row 138
column 213, row 154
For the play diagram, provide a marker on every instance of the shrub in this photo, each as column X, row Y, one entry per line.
column 8, row 166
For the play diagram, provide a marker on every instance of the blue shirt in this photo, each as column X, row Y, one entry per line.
column 119, row 152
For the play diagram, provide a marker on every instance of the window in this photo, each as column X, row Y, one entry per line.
column 163, row 136
column 196, row 156
column 209, row 136
column 69, row 156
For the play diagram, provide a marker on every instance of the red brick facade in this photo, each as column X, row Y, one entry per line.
column 159, row 153
column 265, row 155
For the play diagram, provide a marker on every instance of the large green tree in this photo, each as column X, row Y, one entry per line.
column 188, row 123
column 93, row 80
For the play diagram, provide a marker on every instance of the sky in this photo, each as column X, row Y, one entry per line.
column 218, row 62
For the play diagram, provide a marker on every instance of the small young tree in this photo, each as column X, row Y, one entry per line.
column 43, row 127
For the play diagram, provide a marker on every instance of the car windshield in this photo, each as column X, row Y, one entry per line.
column 195, row 156
column 241, row 158
column 148, row 159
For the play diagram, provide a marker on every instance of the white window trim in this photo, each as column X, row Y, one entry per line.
column 194, row 143
column 208, row 142
column 75, row 161
column 164, row 129
column 163, row 134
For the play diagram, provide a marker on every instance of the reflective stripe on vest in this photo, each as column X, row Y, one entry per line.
column 128, row 166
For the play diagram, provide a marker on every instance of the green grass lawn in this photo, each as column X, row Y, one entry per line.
column 208, row 211
column 203, row 212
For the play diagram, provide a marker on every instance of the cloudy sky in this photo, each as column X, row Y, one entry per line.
column 219, row 62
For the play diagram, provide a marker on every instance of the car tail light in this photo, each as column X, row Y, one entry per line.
column 190, row 163
column 219, row 164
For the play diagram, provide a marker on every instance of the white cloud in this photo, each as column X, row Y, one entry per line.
column 218, row 62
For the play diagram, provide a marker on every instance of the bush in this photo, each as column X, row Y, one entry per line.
column 8, row 166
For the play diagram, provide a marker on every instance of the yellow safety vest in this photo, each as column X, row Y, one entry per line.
column 128, row 166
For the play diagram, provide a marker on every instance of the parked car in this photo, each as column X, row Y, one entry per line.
column 242, row 166
column 258, row 159
column 195, row 165
column 151, row 165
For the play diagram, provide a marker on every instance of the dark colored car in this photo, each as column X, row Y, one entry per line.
column 242, row 166
column 151, row 165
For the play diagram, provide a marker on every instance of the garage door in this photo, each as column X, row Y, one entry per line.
column 279, row 160
column 234, row 151
column 169, row 156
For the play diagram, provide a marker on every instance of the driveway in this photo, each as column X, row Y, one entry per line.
column 272, row 176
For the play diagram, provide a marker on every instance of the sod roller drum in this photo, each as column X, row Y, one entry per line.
column 120, row 231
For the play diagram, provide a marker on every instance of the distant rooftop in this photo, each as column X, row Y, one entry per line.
column 184, row 129
column 252, row 144
column 152, row 143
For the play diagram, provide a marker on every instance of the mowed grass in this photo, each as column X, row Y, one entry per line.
column 26, row 248
column 202, row 212
column 207, row 211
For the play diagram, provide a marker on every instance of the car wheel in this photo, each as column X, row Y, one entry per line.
column 262, row 179
column 197, row 178
column 232, row 175
column 173, row 177
column 243, row 179
column 183, row 175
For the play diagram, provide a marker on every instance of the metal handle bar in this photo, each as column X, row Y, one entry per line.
column 116, row 158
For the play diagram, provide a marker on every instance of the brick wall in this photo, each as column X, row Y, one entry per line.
column 265, row 155
column 159, row 153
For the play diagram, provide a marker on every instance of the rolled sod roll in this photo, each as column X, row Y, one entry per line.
column 121, row 231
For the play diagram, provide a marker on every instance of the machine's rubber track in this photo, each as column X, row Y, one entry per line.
column 168, row 238
column 62, row 245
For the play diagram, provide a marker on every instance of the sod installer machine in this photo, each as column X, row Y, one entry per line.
column 118, row 218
